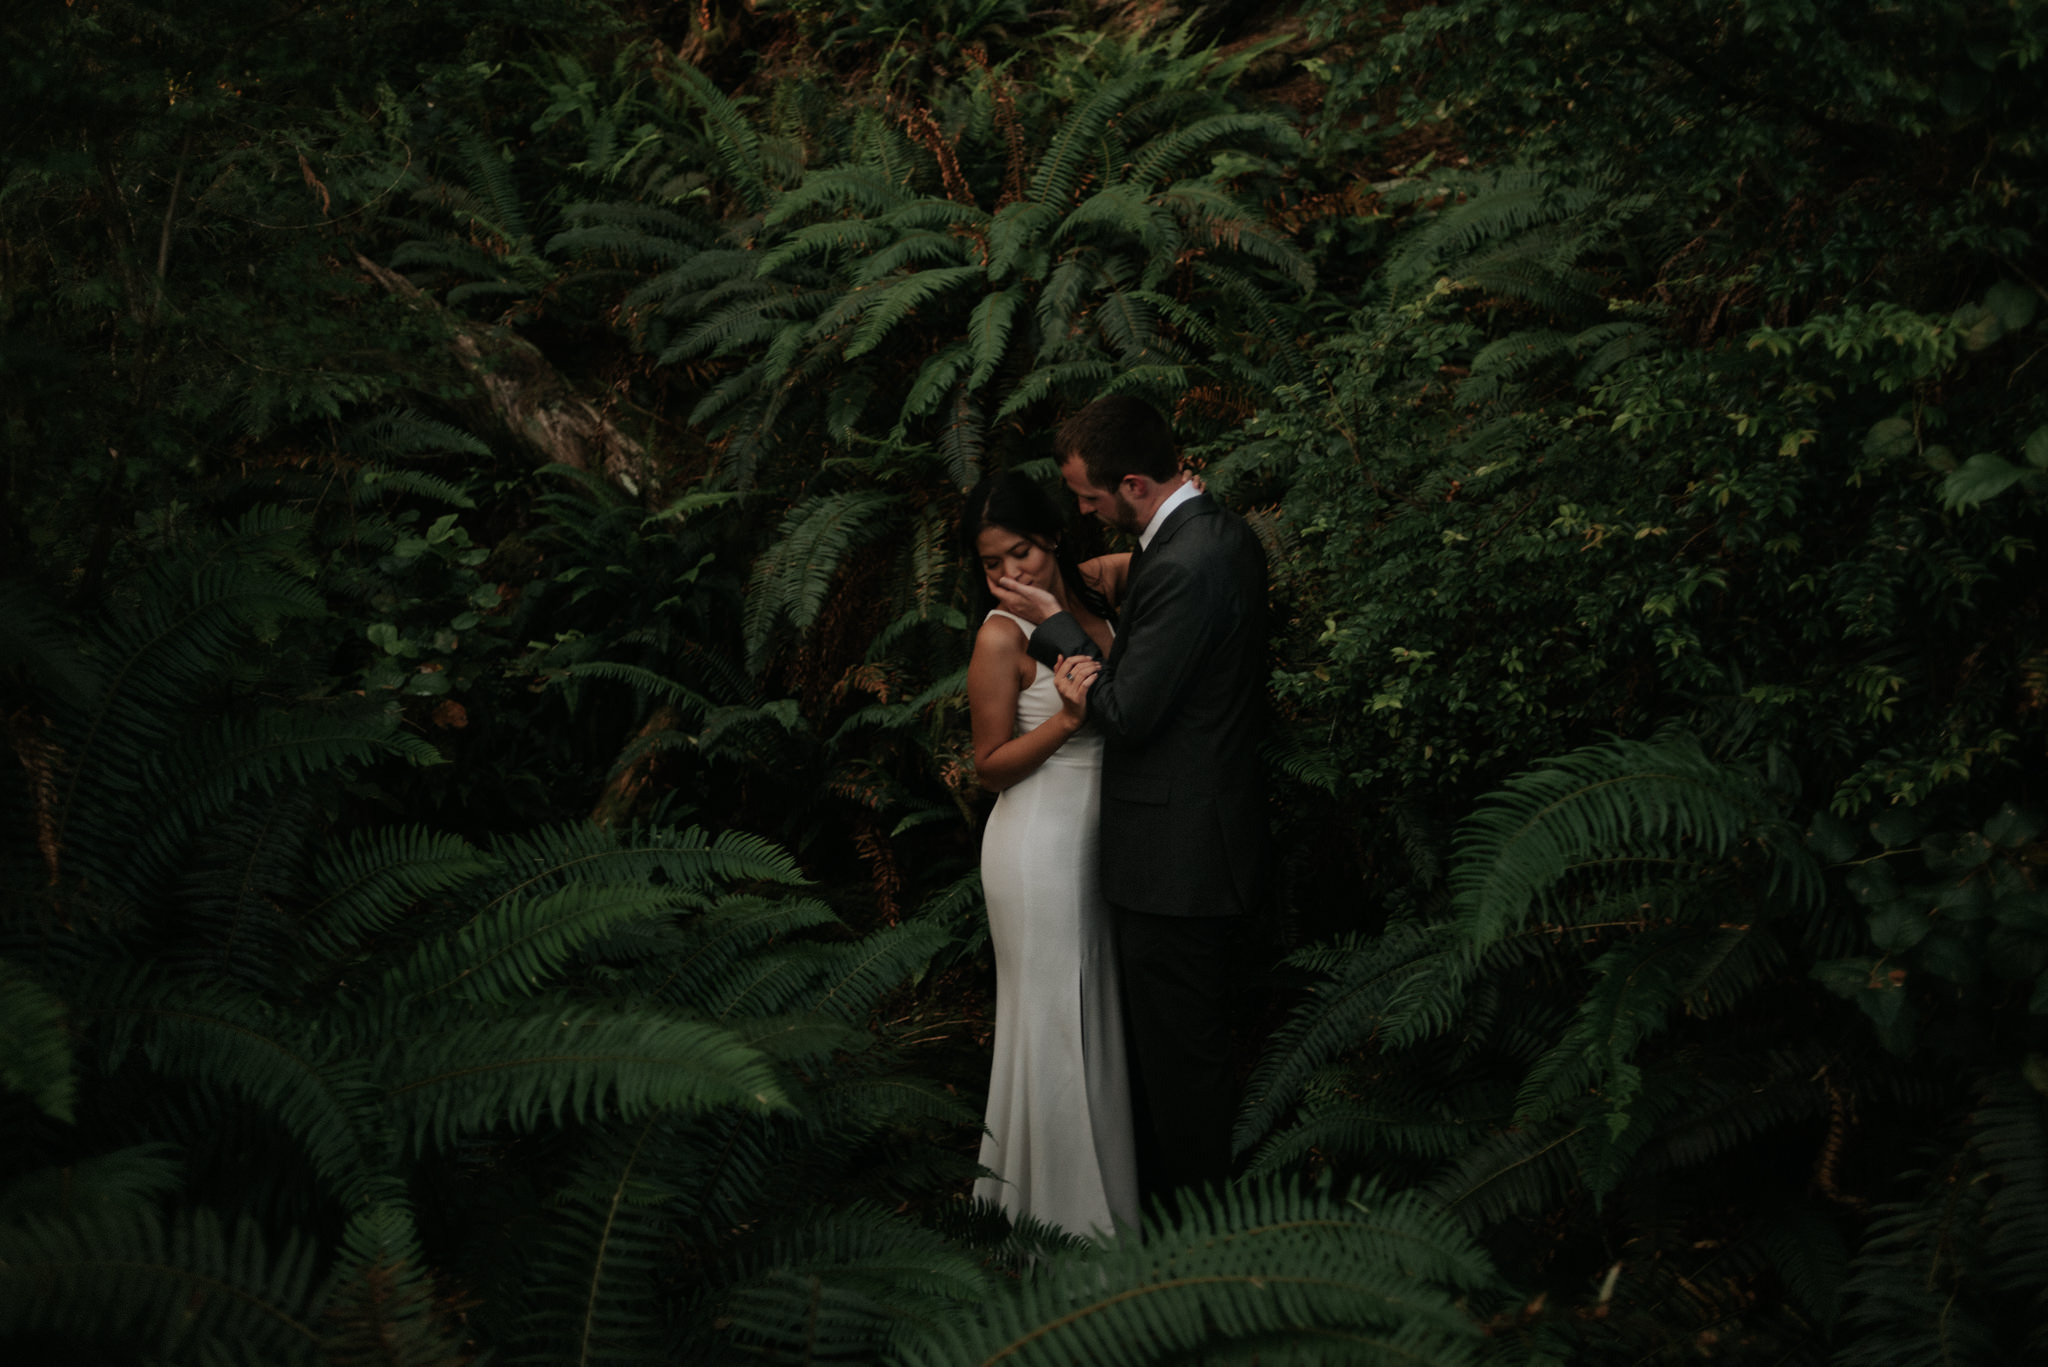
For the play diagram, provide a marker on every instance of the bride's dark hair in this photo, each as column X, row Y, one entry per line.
column 1018, row 504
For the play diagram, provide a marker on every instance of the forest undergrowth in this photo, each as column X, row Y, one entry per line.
column 490, row 834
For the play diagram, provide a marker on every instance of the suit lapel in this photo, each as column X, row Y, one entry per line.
column 1187, row 512
column 1180, row 517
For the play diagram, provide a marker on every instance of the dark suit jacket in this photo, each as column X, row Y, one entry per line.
column 1181, row 704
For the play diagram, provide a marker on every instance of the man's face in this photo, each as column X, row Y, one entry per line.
column 1107, row 505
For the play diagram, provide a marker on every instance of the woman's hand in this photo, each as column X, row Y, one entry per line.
column 1073, row 676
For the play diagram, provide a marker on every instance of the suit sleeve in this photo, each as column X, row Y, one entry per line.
column 1175, row 621
column 1060, row 635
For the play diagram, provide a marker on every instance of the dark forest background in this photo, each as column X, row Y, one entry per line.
column 489, row 836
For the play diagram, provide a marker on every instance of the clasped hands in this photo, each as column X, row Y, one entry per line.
column 1073, row 676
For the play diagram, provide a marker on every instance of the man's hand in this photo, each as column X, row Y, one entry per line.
column 1034, row 605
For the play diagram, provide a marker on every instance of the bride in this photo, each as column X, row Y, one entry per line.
column 1059, row 1111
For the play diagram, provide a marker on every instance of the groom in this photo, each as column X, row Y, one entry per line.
column 1180, row 702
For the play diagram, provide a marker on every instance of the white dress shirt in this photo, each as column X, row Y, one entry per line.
column 1173, row 500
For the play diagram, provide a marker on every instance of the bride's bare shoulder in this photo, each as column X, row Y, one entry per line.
column 1000, row 639
column 1000, row 660
column 998, row 630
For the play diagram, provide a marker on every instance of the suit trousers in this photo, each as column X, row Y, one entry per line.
column 1177, row 973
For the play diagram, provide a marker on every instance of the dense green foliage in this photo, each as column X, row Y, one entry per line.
column 489, row 842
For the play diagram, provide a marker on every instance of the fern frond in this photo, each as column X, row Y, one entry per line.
column 35, row 1052
column 1258, row 1268
column 126, row 1278
column 988, row 334
column 1122, row 209
column 1412, row 976
column 1637, row 983
column 839, row 982
column 382, row 1308
column 635, row 232
column 512, row 951
column 820, row 242
column 964, row 438
column 646, row 682
column 948, row 216
column 1130, row 327
column 864, row 190
column 1076, row 141
column 457, row 1076
column 108, row 1183
column 396, row 432
column 939, row 375
column 594, row 1263
column 1513, row 1172
column 1737, row 1102
column 691, row 861
column 1073, row 377
column 844, row 1285
column 898, row 301
column 1017, row 239
column 909, row 252
column 726, row 933
column 374, row 879
column 792, row 576
column 490, row 169
column 310, row 1084
column 737, row 144
column 755, row 317
column 1496, row 205
column 1616, row 804
column 210, row 769
column 243, row 869
column 1177, row 149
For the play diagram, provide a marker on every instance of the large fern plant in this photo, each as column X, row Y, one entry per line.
column 268, row 1060
column 947, row 269
column 1596, row 1017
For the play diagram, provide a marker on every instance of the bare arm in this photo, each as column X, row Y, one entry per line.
column 1106, row 574
column 996, row 677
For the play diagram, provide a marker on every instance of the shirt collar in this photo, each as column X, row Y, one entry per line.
column 1173, row 500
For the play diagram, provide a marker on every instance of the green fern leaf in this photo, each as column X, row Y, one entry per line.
column 35, row 1052
column 381, row 1308
column 1076, row 142
column 375, row 878
column 106, row 1184
column 737, row 144
column 792, row 577
column 1017, row 240
column 124, row 1279
column 519, row 945
column 939, row 375
column 865, row 191
column 1176, row 150
column 309, row 1082
column 725, row 934
column 898, row 301
column 595, row 1263
column 820, row 242
column 1617, row 806
column 457, row 1075
column 1066, row 377
column 909, row 252
column 1260, row 1268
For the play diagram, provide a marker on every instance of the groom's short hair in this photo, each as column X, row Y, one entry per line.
column 1119, row 436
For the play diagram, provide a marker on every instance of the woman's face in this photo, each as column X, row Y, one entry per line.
column 1016, row 555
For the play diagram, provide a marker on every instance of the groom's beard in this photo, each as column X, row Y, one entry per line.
column 1126, row 519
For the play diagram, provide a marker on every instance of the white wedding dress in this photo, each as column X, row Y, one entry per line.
column 1059, row 1106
